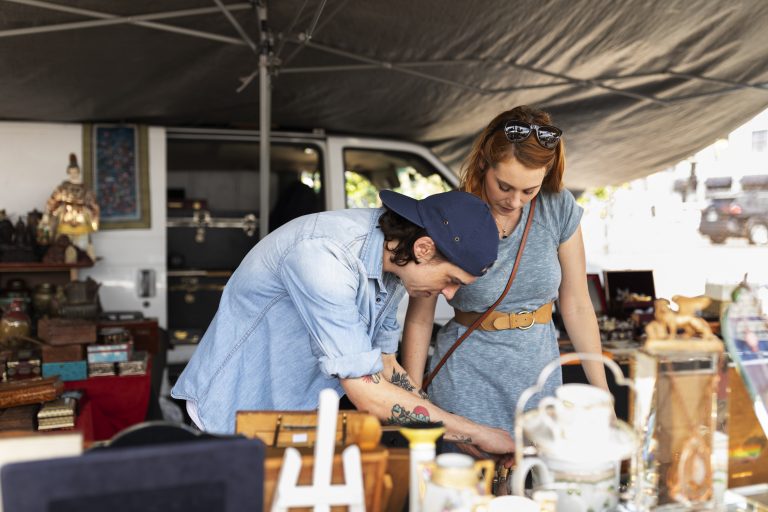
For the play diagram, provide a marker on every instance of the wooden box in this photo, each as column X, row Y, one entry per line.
column 145, row 331
column 62, row 353
column 67, row 371
column 65, row 331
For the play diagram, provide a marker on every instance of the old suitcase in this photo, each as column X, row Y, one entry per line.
column 209, row 240
column 193, row 298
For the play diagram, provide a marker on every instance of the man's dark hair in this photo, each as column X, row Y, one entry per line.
column 399, row 229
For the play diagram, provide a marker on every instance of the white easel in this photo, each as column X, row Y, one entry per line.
column 321, row 495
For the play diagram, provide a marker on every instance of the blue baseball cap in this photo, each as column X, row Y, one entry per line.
column 458, row 222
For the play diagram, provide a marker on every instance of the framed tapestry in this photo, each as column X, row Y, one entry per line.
column 116, row 167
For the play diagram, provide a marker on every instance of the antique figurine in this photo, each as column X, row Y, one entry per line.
column 73, row 209
column 666, row 321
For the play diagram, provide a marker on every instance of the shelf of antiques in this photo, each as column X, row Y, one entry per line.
column 36, row 272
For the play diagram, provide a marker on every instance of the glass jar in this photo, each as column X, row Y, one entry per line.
column 42, row 297
column 15, row 322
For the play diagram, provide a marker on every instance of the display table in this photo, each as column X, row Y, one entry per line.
column 115, row 402
column 84, row 421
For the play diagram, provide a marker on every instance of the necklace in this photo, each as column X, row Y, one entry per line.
column 503, row 231
column 689, row 476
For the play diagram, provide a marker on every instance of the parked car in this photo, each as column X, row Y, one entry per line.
column 737, row 216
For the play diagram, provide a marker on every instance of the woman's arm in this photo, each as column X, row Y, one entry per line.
column 576, row 307
column 417, row 333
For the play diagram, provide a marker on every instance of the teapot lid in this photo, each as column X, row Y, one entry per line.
column 619, row 444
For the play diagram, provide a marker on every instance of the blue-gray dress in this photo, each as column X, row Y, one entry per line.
column 484, row 377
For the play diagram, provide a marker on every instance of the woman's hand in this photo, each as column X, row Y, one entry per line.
column 494, row 442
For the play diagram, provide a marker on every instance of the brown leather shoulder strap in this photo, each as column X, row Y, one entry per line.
column 488, row 311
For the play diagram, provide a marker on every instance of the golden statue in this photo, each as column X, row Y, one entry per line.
column 73, row 210
column 667, row 321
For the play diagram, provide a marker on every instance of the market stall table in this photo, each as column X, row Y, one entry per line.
column 115, row 402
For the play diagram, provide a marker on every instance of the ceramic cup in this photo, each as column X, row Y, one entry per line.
column 512, row 504
column 455, row 480
column 578, row 489
column 578, row 411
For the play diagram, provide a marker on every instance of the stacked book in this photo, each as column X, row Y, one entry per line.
column 59, row 413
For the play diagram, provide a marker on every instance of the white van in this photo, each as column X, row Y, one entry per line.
column 214, row 202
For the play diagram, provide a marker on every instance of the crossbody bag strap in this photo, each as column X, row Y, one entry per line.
column 488, row 311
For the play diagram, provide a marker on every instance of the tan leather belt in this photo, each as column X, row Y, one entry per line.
column 499, row 321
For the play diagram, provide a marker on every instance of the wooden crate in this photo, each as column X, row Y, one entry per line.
column 65, row 331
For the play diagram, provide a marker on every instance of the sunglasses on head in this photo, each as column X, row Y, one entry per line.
column 518, row 131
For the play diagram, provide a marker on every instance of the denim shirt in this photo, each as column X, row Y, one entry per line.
column 308, row 305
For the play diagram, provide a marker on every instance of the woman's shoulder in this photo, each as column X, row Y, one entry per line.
column 559, row 212
column 555, row 205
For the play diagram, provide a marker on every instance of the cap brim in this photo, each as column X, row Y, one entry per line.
column 402, row 205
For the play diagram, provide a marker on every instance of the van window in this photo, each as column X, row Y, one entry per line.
column 368, row 171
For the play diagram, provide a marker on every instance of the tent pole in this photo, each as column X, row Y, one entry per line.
column 265, row 115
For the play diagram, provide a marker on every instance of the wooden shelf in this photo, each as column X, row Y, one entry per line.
column 34, row 266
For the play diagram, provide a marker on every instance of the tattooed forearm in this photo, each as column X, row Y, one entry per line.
column 401, row 415
column 371, row 379
column 459, row 438
column 402, row 380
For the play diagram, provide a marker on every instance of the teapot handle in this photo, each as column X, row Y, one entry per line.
column 528, row 464
column 546, row 419
column 528, row 393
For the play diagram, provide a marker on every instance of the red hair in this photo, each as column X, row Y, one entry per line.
column 492, row 147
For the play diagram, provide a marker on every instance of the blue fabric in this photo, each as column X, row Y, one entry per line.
column 309, row 304
column 486, row 374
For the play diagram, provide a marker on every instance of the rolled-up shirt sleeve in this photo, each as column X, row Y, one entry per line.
column 324, row 280
column 388, row 335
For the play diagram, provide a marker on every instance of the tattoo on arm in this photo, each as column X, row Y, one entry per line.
column 371, row 379
column 423, row 394
column 460, row 439
column 401, row 416
column 402, row 380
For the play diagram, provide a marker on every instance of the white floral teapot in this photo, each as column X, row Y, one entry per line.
column 578, row 443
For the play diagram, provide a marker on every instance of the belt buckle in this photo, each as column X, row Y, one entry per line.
column 533, row 320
